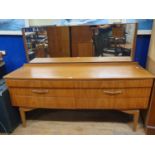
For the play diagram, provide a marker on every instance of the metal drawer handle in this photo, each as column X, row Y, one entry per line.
column 110, row 92
column 41, row 91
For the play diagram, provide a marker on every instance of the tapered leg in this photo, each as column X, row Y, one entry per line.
column 135, row 114
column 22, row 116
column 136, row 118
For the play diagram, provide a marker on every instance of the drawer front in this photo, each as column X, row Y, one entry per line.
column 130, row 98
column 80, row 103
column 129, row 83
column 82, row 93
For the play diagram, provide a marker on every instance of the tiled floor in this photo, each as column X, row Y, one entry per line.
column 83, row 122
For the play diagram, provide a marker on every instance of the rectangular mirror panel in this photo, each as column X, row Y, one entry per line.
column 110, row 40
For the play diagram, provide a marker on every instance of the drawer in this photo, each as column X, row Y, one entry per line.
column 117, row 83
column 82, row 93
column 80, row 103
column 129, row 98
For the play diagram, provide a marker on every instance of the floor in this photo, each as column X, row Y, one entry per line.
column 82, row 122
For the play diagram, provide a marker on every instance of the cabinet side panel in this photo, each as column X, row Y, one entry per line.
column 150, row 120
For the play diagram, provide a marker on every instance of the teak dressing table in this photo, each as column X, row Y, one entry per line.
column 81, row 83
column 102, row 76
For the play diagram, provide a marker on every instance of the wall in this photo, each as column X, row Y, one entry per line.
column 151, row 54
column 39, row 22
column 15, row 53
column 141, row 51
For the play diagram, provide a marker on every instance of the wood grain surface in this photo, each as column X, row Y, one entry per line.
column 81, row 71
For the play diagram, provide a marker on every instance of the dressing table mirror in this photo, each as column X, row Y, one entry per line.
column 115, row 41
column 81, row 67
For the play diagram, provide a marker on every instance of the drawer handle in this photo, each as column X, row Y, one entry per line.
column 41, row 91
column 113, row 92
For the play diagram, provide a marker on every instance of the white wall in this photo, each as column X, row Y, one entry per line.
column 39, row 22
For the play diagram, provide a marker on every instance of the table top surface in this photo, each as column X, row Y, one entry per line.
column 128, row 70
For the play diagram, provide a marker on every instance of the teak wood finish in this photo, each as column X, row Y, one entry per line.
column 122, row 86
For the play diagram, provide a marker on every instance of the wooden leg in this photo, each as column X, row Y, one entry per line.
column 23, row 115
column 136, row 118
column 135, row 114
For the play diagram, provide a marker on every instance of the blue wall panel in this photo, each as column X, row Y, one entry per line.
column 142, row 46
column 15, row 52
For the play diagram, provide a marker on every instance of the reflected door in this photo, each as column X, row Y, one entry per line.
column 81, row 41
column 58, row 41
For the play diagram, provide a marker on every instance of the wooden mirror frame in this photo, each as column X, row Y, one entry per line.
column 82, row 59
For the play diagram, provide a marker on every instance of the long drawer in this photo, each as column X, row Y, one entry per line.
column 128, row 83
column 120, row 98
column 82, row 93
column 81, row 103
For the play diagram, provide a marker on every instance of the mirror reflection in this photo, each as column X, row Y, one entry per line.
column 109, row 40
